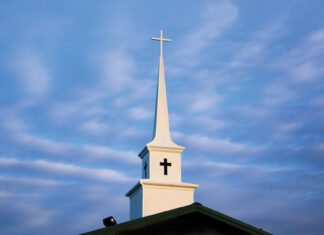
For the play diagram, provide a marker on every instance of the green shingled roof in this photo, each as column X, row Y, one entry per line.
column 171, row 214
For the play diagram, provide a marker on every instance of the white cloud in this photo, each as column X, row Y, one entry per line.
column 319, row 147
column 214, row 145
column 201, row 102
column 15, row 124
column 116, row 75
column 306, row 71
column 118, row 68
column 25, row 180
column 318, row 101
column 65, row 110
column 5, row 194
column 108, row 153
column 226, row 167
column 317, row 36
column 142, row 89
column 34, row 214
column 215, row 18
column 79, row 107
column 277, row 93
column 140, row 113
column 247, row 55
column 70, row 170
column 175, row 119
column 87, row 151
column 95, row 127
column 284, row 130
column 132, row 133
column 43, row 144
column 37, row 216
column 270, row 32
column 255, row 112
column 252, row 52
column 29, row 214
column 210, row 123
column 302, row 63
column 34, row 77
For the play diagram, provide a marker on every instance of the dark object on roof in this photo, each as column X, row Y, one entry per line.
column 109, row 221
column 192, row 219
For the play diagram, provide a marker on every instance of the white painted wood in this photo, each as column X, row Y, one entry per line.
column 161, row 189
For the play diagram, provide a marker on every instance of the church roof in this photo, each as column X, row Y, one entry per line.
column 192, row 219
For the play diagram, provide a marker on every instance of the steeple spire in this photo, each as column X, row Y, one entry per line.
column 160, row 188
column 161, row 132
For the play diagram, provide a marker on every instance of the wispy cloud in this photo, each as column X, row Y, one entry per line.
column 27, row 180
column 255, row 112
column 69, row 170
column 46, row 145
column 202, row 102
column 285, row 130
column 31, row 214
column 14, row 123
column 209, row 123
column 34, row 76
column 320, row 147
column 302, row 63
column 118, row 68
column 140, row 113
column 62, row 149
column 277, row 93
column 306, row 71
column 104, row 152
column 215, row 145
column 225, row 168
column 215, row 18
column 317, row 36
column 95, row 127
column 248, row 55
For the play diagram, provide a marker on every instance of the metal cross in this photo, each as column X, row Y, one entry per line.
column 161, row 39
column 165, row 163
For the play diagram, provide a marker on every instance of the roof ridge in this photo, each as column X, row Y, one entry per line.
column 196, row 206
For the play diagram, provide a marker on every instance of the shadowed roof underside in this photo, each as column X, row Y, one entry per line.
column 192, row 219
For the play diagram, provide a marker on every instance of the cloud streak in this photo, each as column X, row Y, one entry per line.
column 207, row 144
column 69, row 170
column 67, row 150
column 34, row 77
column 215, row 18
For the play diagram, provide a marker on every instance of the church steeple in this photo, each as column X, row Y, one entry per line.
column 160, row 188
column 161, row 129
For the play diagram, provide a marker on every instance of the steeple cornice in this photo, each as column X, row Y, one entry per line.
column 169, row 149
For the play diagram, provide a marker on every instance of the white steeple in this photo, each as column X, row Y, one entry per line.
column 161, row 131
column 160, row 188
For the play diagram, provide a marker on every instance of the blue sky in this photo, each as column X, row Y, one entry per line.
column 245, row 92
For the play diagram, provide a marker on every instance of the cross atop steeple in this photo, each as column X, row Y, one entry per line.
column 161, row 132
column 160, row 188
column 161, row 39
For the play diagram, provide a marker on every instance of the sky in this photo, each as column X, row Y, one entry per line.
column 245, row 87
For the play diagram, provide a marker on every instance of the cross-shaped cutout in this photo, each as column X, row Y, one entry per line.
column 165, row 163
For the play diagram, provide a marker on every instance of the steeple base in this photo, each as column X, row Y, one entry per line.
column 159, row 197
